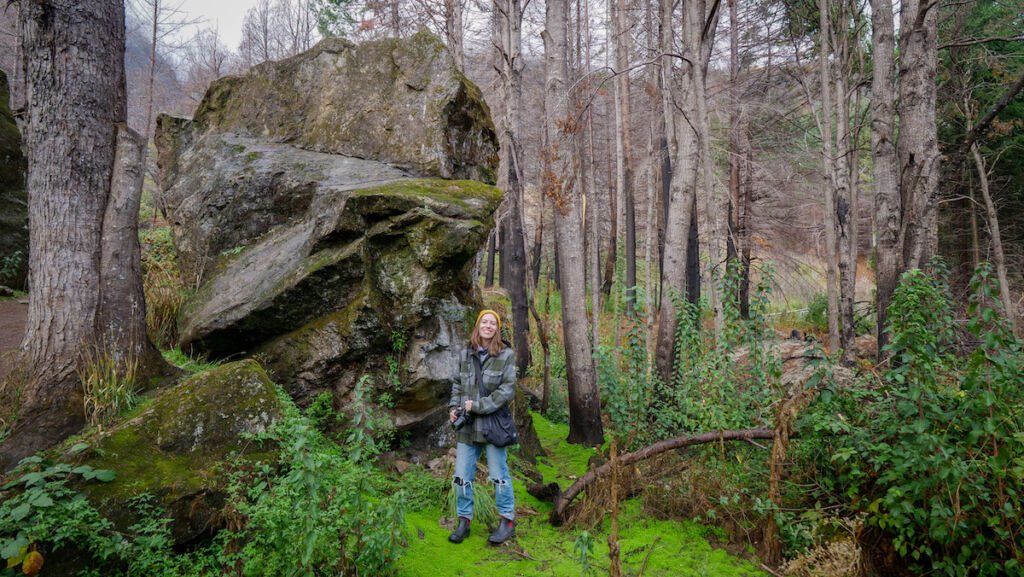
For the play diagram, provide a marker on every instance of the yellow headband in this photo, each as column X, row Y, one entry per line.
column 497, row 317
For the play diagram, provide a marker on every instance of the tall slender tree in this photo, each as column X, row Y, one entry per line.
column 560, row 126
column 507, row 41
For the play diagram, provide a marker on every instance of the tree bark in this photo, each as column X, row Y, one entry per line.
column 508, row 16
column 489, row 271
column 883, row 153
column 584, row 401
column 997, row 240
column 828, row 174
column 623, row 146
column 453, row 31
column 918, row 148
column 845, row 218
column 685, row 168
column 75, row 52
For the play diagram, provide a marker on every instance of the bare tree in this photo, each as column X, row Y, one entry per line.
column 697, row 35
column 883, row 154
column 86, row 289
column 507, row 40
column 623, row 147
column 205, row 59
column 560, row 127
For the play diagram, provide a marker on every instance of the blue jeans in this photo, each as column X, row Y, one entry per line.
column 466, row 457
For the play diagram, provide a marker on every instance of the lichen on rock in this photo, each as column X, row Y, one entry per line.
column 311, row 208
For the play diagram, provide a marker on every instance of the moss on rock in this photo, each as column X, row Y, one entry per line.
column 179, row 447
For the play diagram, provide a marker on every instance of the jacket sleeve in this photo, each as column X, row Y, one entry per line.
column 504, row 393
column 457, row 390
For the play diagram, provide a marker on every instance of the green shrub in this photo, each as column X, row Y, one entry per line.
column 933, row 454
column 318, row 509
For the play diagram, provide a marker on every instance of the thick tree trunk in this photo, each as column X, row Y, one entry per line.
column 584, row 401
column 75, row 52
column 918, row 147
column 889, row 256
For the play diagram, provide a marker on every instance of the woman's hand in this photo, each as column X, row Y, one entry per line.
column 451, row 416
column 469, row 406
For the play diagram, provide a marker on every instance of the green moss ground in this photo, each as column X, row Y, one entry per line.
column 675, row 548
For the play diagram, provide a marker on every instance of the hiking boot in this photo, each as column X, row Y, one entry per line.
column 505, row 531
column 461, row 531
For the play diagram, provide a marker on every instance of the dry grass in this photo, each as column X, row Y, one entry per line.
column 836, row 559
column 108, row 383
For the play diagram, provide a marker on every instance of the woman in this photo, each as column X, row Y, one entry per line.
column 486, row 383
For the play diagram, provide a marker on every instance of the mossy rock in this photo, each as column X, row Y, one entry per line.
column 179, row 448
column 400, row 101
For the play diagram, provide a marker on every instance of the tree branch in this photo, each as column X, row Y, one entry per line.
column 998, row 107
column 566, row 497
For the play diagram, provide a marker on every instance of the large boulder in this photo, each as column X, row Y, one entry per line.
column 180, row 448
column 310, row 209
column 13, row 198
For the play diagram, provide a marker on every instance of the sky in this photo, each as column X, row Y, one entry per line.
column 226, row 15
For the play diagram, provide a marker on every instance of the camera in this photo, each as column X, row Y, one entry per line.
column 462, row 418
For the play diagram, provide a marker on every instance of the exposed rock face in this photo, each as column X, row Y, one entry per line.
column 308, row 211
column 13, row 198
column 177, row 449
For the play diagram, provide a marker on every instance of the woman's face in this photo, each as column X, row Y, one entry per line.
column 488, row 326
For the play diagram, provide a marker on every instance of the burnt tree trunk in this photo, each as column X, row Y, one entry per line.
column 585, row 426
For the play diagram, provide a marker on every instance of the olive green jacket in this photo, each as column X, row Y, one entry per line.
column 499, row 382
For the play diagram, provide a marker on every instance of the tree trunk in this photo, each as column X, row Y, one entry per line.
column 918, row 148
column 489, row 271
column 584, row 401
column 453, row 31
column 845, row 219
column 685, row 169
column 997, row 239
column 508, row 16
column 883, row 155
column 594, row 211
column 74, row 52
column 828, row 178
column 612, row 248
column 623, row 146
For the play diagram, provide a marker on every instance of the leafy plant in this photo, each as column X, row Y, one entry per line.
column 9, row 267
column 316, row 510
column 39, row 509
column 934, row 453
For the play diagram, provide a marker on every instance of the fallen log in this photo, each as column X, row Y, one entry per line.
column 562, row 501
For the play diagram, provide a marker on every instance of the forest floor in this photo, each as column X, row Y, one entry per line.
column 13, row 313
column 648, row 546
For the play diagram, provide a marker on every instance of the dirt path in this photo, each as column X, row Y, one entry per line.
column 12, row 327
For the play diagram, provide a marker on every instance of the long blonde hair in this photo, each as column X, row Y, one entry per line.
column 494, row 346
